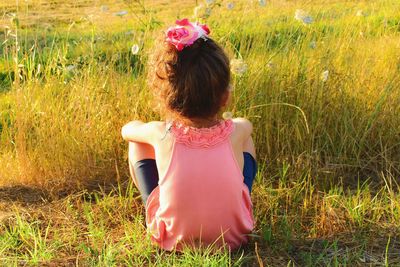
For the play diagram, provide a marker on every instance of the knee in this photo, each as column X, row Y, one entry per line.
column 140, row 151
column 249, row 147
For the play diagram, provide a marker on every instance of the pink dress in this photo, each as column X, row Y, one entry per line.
column 201, row 200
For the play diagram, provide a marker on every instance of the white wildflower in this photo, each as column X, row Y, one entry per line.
column 227, row 115
column 135, row 49
column 121, row 13
column 208, row 12
column 324, row 76
column 197, row 10
column 104, row 8
column 202, row 11
column 238, row 66
column 210, row 2
column 307, row 20
column 230, row 6
column 70, row 68
column 360, row 13
column 303, row 16
column 299, row 14
column 262, row 3
column 270, row 65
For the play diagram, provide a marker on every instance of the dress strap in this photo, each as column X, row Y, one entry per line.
column 202, row 137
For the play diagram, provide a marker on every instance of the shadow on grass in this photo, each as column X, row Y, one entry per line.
column 23, row 194
column 29, row 195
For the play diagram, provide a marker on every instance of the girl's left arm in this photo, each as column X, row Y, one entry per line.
column 137, row 131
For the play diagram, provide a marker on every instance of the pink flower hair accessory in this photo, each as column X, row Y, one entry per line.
column 185, row 33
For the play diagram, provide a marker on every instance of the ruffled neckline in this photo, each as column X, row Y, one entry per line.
column 202, row 137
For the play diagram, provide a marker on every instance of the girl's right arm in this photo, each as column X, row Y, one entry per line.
column 137, row 131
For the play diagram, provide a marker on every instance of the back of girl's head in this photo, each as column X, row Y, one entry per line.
column 193, row 82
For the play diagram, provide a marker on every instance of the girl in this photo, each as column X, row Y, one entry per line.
column 194, row 171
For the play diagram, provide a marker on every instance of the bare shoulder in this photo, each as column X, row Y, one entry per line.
column 157, row 126
column 243, row 127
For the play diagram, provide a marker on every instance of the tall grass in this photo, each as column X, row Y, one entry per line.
column 61, row 116
column 328, row 151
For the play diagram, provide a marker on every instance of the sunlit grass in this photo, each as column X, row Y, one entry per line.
column 323, row 98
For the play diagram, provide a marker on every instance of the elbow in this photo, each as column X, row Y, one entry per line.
column 127, row 129
column 123, row 132
column 245, row 125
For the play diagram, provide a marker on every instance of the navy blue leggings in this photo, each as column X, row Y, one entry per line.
column 146, row 174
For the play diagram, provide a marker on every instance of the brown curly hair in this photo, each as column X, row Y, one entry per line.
column 190, row 83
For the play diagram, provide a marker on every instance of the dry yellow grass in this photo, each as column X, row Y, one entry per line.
column 328, row 151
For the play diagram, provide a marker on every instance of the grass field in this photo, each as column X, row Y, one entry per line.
column 321, row 86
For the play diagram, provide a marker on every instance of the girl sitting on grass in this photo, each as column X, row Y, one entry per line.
column 194, row 171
